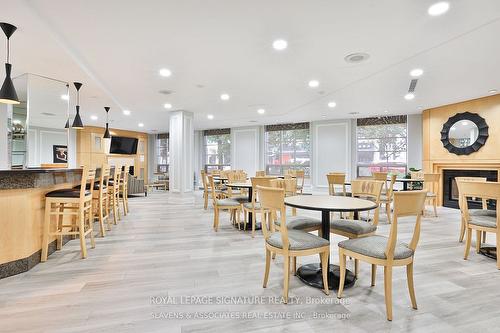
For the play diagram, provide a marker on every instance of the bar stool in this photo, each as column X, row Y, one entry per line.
column 101, row 198
column 70, row 202
column 114, row 193
column 123, row 188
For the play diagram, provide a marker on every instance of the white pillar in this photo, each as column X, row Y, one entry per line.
column 181, row 147
column 5, row 119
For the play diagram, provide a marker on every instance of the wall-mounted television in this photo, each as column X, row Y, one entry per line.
column 123, row 145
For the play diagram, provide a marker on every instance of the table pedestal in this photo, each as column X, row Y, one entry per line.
column 489, row 251
column 311, row 275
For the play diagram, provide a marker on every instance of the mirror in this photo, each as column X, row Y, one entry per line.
column 464, row 133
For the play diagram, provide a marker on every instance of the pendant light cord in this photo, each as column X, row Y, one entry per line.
column 8, row 50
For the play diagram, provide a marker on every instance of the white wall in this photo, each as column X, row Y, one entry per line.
column 40, row 142
column 245, row 149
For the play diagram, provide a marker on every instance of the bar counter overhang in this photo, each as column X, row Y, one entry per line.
column 22, row 205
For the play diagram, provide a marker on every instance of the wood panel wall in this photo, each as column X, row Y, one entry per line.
column 91, row 149
column 436, row 158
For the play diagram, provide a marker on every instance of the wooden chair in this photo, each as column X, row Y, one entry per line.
column 472, row 212
column 124, row 188
column 239, row 195
column 431, row 183
column 484, row 223
column 335, row 180
column 76, row 203
column 381, row 176
column 286, row 242
column 206, row 189
column 260, row 173
column 387, row 251
column 386, row 198
column 350, row 228
column 233, row 206
column 114, row 193
column 300, row 176
column 254, row 206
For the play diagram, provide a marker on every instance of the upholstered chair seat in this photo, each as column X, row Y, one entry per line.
column 375, row 247
column 298, row 240
column 484, row 221
column 356, row 227
column 66, row 193
column 227, row 202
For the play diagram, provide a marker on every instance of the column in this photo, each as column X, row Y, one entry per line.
column 181, row 147
column 5, row 120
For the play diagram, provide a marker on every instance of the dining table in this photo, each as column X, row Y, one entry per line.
column 248, row 186
column 404, row 181
column 311, row 274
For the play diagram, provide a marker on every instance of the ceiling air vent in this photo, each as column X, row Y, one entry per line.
column 165, row 92
column 355, row 58
column 413, row 85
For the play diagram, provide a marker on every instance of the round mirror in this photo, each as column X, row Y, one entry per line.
column 463, row 133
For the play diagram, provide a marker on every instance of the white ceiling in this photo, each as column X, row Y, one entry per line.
column 116, row 48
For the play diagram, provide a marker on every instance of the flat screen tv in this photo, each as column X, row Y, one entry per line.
column 123, row 145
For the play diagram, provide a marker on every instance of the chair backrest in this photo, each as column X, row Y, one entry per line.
column 406, row 203
column 104, row 177
column 368, row 189
column 212, row 188
column 390, row 189
column 88, row 177
column 336, row 178
column 260, row 173
column 300, row 177
column 382, row 176
column 416, row 175
column 431, row 181
column 259, row 181
column 272, row 199
column 204, row 180
column 470, row 179
column 117, row 174
column 476, row 189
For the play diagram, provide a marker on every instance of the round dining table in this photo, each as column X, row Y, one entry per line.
column 311, row 273
column 248, row 186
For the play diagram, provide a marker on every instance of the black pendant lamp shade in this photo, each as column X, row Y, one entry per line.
column 77, row 123
column 67, row 124
column 106, row 132
column 8, row 93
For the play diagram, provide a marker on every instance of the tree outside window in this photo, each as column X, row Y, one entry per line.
column 217, row 149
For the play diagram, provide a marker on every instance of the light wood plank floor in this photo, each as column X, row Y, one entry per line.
column 166, row 247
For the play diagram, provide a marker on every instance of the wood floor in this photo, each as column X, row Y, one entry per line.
column 166, row 247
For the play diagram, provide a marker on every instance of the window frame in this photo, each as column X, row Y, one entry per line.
column 220, row 155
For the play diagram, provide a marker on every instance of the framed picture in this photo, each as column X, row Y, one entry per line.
column 60, row 154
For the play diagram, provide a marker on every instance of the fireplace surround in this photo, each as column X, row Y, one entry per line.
column 450, row 190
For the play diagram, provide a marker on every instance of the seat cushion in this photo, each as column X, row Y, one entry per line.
column 356, row 227
column 227, row 202
column 302, row 223
column 482, row 212
column 249, row 205
column 66, row 193
column 240, row 198
column 374, row 246
column 87, row 187
column 484, row 221
column 298, row 240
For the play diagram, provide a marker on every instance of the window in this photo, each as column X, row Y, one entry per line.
column 381, row 145
column 287, row 147
column 217, row 149
column 162, row 153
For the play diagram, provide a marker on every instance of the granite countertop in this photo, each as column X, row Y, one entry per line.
column 37, row 170
column 36, row 178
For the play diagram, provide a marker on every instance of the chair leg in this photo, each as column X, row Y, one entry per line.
column 462, row 230
column 237, row 216
column 294, row 265
column 101, row 218
column 205, row 199
column 81, row 231
column 388, row 291
column 324, row 271
column 467, row 243
column 253, row 223
column 60, row 221
column 435, row 207
column 108, row 220
column 478, row 241
column 342, row 272
column 216, row 219
column 286, row 277
column 91, row 228
column 484, row 237
column 268, row 266
column 356, row 268
column 374, row 274
column 411, row 287
column 294, row 211
column 46, row 230
column 388, row 211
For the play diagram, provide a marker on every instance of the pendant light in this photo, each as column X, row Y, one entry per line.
column 106, row 132
column 8, row 93
column 77, row 123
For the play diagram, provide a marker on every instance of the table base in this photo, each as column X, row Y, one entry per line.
column 489, row 251
column 311, row 275
column 258, row 226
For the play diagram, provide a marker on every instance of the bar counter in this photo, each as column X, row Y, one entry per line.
column 22, row 205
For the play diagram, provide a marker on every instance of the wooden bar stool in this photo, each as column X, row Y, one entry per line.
column 101, row 199
column 114, row 193
column 70, row 202
column 123, row 187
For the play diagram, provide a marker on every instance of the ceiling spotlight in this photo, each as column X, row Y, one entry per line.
column 126, row 112
column 210, row 116
column 167, row 106
column 409, row 96
column 140, row 125
column 493, row 91
column 261, row 111
column 313, row 83
column 93, row 117
column 323, row 115
column 439, row 8
column 280, row 44
column 386, row 111
column 65, row 97
column 332, row 104
column 416, row 72
column 165, row 72
column 224, row 97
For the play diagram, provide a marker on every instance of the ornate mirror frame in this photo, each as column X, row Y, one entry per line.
column 480, row 141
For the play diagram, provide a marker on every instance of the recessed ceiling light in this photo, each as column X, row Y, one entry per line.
column 167, row 106
column 280, row 44
column 165, row 72
column 140, row 125
column 126, row 112
column 224, row 97
column 65, row 97
column 93, row 117
column 493, row 91
column 323, row 115
column 332, row 104
column 313, row 83
column 439, row 8
column 261, row 111
column 355, row 58
column 409, row 96
column 416, row 72
column 210, row 116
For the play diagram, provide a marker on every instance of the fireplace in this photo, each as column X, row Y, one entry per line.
column 450, row 189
